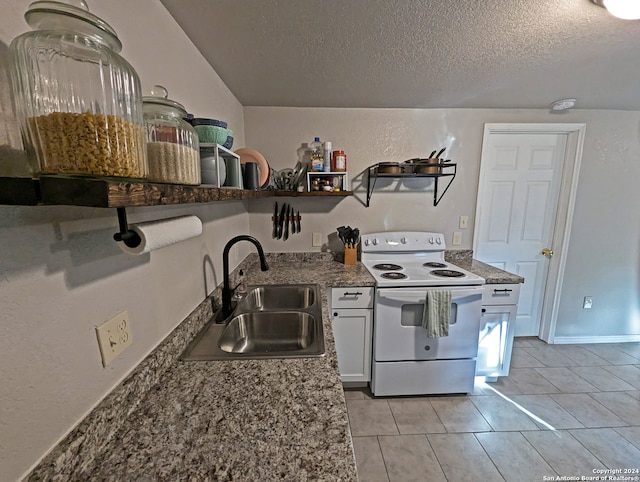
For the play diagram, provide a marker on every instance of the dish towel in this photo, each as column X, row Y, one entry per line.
column 437, row 313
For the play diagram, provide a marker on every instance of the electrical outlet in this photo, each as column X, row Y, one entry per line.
column 114, row 336
column 316, row 240
column 587, row 303
column 236, row 253
column 464, row 222
column 457, row 238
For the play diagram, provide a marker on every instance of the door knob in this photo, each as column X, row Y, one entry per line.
column 548, row 252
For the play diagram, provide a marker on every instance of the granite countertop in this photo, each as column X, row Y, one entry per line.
column 490, row 274
column 464, row 259
column 241, row 420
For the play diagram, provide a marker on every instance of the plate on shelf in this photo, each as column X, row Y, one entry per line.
column 251, row 155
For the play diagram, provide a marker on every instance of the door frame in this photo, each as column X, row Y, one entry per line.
column 564, row 215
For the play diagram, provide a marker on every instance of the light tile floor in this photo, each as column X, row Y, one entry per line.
column 564, row 410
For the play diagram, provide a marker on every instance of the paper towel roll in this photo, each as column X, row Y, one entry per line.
column 162, row 232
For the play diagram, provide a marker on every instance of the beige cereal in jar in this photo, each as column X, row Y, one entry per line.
column 89, row 144
column 175, row 163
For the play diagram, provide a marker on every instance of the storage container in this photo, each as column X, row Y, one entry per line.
column 78, row 101
column 172, row 143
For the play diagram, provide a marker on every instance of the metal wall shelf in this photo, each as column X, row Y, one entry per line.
column 448, row 170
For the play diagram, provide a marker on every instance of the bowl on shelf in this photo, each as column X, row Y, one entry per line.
column 212, row 134
column 203, row 121
column 229, row 142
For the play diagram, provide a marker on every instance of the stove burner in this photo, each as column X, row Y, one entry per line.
column 434, row 264
column 447, row 273
column 393, row 275
column 387, row 267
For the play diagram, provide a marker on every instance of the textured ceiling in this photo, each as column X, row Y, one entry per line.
column 417, row 53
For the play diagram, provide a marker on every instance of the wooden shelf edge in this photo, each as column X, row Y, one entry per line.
column 107, row 193
column 19, row 191
column 314, row 193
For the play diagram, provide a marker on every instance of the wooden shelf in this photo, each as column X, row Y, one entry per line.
column 313, row 193
column 104, row 193
column 19, row 191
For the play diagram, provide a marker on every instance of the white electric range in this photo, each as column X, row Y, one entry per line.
column 405, row 266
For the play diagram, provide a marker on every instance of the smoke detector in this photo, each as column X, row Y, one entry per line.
column 563, row 104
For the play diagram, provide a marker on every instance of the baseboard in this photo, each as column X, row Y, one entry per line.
column 565, row 340
column 354, row 384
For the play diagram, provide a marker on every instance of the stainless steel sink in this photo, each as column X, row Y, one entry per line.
column 278, row 297
column 269, row 332
column 272, row 321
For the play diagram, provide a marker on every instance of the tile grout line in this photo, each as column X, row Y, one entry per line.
column 384, row 461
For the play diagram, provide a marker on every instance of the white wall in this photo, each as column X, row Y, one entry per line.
column 61, row 274
column 603, row 259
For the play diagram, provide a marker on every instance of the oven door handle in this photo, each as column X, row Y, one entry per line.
column 419, row 296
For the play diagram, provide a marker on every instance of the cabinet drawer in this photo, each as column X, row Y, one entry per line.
column 352, row 297
column 501, row 294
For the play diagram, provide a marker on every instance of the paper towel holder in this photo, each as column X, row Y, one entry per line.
column 126, row 235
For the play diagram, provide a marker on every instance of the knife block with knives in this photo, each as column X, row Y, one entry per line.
column 350, row 255
column 350, row 238
column 282, row 219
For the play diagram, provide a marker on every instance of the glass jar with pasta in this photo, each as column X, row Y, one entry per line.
column 79, row 102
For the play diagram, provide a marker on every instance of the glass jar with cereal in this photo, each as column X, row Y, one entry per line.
column 79, row 102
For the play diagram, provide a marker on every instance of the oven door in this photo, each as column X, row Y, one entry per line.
column 398, row 331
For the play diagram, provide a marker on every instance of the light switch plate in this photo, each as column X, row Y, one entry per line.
column 464, row 222
column 114, row 336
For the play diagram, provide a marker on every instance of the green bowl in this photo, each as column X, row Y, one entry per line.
column 212, row 134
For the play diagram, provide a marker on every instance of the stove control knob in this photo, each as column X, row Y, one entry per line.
column 375, row 241
column 366, row 242
column 430, row 240
column 403, row 240
column 438, row 240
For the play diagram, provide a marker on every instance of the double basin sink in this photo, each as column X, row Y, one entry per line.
column 271, row 321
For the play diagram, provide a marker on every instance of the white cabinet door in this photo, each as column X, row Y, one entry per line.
column 352, row 334
column 497, row 328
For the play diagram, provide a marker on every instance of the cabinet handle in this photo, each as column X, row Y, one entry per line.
column 503, row 291
column 357, row 293
column 335, row 313
column 484, row 310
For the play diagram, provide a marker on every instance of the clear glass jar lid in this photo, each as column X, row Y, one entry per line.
column 71, row 15
column 159, row 101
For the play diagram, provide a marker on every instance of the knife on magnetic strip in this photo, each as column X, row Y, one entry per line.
column 286, row 223
column 275, row 221
column 281, row 220
column 293, row 221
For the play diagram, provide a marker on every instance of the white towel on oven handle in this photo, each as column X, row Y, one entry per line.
column 437, row 313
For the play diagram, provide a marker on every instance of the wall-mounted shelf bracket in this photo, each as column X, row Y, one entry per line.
column 446, row 170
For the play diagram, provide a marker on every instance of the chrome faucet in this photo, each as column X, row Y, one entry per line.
column 226, row 288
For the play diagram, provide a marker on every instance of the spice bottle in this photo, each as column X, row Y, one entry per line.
column 172, row 143
column 339, row 161
column 78, row 101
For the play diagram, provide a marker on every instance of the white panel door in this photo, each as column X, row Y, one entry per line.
column 520, row 182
